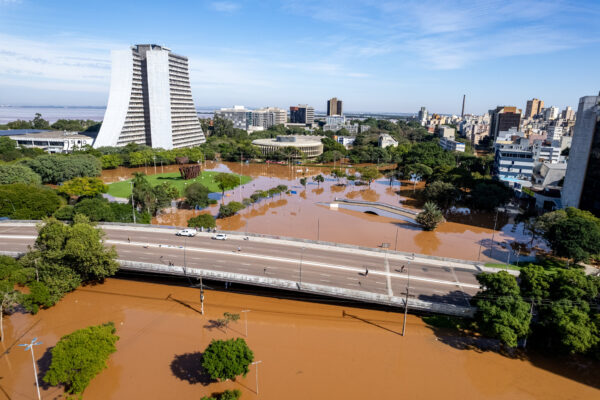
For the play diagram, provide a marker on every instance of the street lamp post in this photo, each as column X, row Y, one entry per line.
column 256, row 363
column 494, row 233
column 29, row 346
column 132, row 205
column 406, row 299
column 246, row 312
column 201, row 297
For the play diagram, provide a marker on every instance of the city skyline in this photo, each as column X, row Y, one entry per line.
column 376, row 57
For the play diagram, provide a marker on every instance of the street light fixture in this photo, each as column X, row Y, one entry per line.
column 301, row 258
column 406, row 299
column 256, row 363
column 132, row 205
column 29, row 346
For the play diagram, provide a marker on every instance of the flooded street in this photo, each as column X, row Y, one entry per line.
column 302, row 214
column 307, row 351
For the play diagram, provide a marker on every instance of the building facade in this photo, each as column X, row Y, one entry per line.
column 302, row 114
column 582, row 180
column 452, row 145
column 150, row 101
column 269, row 116
column 53, row 141
column 310, row 146
column 334, row 107
column 238, row 115
column 534, row 107
column 513, row 160
column 504, row 119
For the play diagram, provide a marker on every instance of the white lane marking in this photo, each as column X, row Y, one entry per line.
column 280, row 259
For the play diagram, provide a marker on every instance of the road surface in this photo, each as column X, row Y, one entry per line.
column 341, row 267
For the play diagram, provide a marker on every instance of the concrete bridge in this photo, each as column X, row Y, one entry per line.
column 326, row 269
column 377, row 208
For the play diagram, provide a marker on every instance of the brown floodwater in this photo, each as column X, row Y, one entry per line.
column 307, row 351
column 306, row 215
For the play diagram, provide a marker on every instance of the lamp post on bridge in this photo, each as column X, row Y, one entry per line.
column 29, row 346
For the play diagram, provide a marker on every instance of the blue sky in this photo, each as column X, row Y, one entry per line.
column 391, row 56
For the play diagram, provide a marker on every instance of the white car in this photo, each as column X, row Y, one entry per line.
column 187, row 232
column 220, row 236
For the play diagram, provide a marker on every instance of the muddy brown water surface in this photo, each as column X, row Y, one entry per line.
column 307, row 351
column 304, row 215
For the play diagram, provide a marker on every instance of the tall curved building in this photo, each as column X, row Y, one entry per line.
column 150, row 100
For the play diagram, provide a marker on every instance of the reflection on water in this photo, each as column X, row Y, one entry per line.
column 300, row 215
column 303, row 346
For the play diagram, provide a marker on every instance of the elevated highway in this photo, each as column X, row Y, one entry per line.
column 341, row 271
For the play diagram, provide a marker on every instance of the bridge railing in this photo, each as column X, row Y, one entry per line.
column 376, row 203
column 284, row 284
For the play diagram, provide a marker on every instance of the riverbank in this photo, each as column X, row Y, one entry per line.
column 308, row 350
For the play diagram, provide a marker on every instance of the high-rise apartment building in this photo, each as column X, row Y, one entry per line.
column 568, row 114
column 269, row 116
column 503, row 119
column 550, row 113
column 302, row 114
column 534, row 107
column 422, row 116
column 334, row 107
column 150, row 100
column 582, row 180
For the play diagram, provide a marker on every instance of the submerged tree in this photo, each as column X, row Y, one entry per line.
column 430, row 217
column 227, row 359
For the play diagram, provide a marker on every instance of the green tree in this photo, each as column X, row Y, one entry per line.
column 226, row 181
column 78, row 357
column 56, row 168
column 21, row 201
column 501, row 312
column 430, row 217
column 16, row 173
column 202, row 221
column 96, row 209
column 111, row 161
column 490, row 195
column 368, row 174
column 196, row 194
column 319, row 179
column 303, row 182
column 9, row 298
column 39, row 123
column 226, row 395
column 229, row 209
column 577, row 236
column 83, row 186
column 442, row 193
column 226, row 359
column 39, row 296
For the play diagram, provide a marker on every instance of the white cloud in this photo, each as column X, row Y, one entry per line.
column 225, row 6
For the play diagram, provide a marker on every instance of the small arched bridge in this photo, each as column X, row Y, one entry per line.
column 382, row 209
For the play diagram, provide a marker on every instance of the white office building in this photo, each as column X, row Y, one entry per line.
column 53, row 141
column 551, row 113
column 239, row 115
column 452, row 145
column 150, row 100
column 513, row 162
column 269, row 116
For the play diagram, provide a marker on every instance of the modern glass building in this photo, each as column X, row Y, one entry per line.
column 582, row 180
column 150, row 100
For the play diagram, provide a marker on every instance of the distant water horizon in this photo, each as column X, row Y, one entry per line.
column 52, row 114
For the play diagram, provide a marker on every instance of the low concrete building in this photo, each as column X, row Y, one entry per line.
column 239, row 115
column 452, row 145
column 53, row 141
column 446, row 131
column 386, row 140
column 548, row 174
column 311, row 146
column 347, row 141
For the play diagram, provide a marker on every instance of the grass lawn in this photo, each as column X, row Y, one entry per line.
column 123, row 188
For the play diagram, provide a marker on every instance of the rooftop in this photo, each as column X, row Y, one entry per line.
column 52, row 135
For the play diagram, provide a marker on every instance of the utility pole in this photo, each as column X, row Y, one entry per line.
column 29, row 346
column 132, row 205
column 184, row 258
column 494, row 233
column 246, row 312
column 406, row 300
column 396, row 242
column 201, row 297
column 256, row 363
column 154, row 159
column 318, row 229
column 531, row 316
